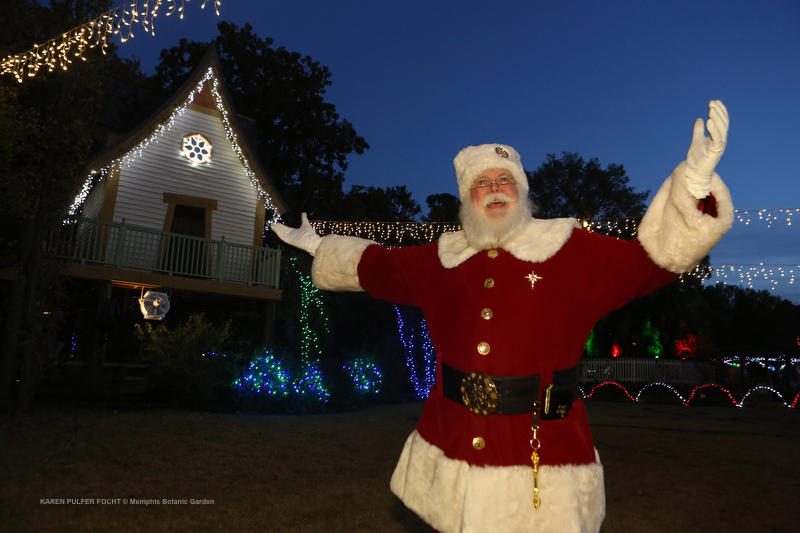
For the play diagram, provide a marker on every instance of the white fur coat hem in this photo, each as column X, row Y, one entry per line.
column 453, row 496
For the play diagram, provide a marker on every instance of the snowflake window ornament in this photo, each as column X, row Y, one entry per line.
column 197, row 148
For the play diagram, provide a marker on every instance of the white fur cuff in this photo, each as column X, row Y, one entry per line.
column 674, row 232
column 453, row 496
column 335, row 266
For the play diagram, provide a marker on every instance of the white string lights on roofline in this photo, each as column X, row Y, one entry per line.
column 62, row 50
column 137, row 151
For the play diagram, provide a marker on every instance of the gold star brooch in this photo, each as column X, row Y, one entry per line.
column 533, row 278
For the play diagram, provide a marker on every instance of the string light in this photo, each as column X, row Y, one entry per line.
column 763, row 388
column 364, row 374
column 310, row 382
column 660, row 384
column 751, row 274
column 421, row 380
column 137, row 151
column 387, row 231
column 265, row 375
column 768, row 216
column 698, row 389
column 608, row 384
column 60, row 51
column 713, row 386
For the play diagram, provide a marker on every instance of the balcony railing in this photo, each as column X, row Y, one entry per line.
column 121, row 245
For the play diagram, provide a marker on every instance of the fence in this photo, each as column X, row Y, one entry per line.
column 644, row 371
column 121, row 245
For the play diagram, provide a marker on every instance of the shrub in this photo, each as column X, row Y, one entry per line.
column 187, row 363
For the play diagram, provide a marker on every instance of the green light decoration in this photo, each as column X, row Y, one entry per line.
column 311, row 382
column 591, row 348
column 364, row 374
column 266, row 375
column 652, row 338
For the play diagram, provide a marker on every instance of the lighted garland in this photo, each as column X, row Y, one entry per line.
column 137, row 151
column 659, row 384
column 386, row 231
column 686, row 402
column 62, row 50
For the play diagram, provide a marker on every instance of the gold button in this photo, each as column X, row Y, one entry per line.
column 489, row 283
column 478, row 443
column 484, row 348
column 492, row 253
column 486, row 313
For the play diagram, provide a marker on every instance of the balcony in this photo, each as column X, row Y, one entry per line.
column 119, row 251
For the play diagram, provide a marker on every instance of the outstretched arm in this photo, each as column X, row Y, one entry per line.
column 705, row 152
column 674, row 232
column 303, row 237
column 336, row 257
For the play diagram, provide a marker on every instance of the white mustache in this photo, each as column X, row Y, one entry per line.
column 497, row 197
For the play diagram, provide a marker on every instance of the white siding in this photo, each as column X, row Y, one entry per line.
column 94, row 202
column 161, row 168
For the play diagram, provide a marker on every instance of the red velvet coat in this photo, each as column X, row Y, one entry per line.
column 535, row 317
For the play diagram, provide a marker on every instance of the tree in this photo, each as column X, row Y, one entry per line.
column 302, row 141
column 46, row 123
column 572, row 187
column 377, row 204
column 442, row 207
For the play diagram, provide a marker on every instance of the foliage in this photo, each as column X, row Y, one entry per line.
column 302, row 141
column 46, row 123
column 442, row 207
column 379, row 204
column 572, row 187
column 188, row 362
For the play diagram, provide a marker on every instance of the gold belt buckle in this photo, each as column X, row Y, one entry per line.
column 479, row 393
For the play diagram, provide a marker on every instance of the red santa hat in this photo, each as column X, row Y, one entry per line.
column 473, row 160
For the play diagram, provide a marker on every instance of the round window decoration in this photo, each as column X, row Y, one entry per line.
column 197, row 149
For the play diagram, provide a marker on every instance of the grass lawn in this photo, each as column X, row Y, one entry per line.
column 668, row 469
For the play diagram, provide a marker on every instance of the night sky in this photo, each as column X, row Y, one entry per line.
column 619, row 80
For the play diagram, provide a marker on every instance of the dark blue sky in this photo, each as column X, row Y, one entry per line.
column 619, row 80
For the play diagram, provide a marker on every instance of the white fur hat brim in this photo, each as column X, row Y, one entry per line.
column 473, row 160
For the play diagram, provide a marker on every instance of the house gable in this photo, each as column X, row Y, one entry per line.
column 148, row 166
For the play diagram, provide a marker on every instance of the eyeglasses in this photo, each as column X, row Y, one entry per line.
column 503, row 183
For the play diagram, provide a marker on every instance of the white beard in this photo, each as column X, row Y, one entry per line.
column 483, row 233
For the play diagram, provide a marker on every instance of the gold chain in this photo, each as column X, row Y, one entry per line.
column 535, row 445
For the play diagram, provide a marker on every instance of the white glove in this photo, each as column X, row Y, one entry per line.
column 303, row 237
column 705, row 152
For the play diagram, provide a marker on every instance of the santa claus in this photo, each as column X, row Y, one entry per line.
column 504, row 443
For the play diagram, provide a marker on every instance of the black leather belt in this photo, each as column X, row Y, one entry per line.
column 511, row 395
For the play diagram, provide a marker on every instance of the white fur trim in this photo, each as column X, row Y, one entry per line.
column 335, row 266
column 453, row 496
column 539, row 241
column 674, row 232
